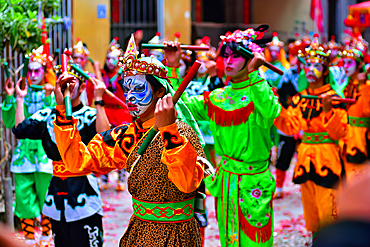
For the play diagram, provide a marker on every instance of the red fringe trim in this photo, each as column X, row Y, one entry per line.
column 227, row 118
column 257, row 235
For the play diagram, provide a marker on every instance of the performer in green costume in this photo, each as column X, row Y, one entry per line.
column 240, row 117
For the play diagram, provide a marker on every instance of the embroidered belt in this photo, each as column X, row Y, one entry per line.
column 316, row 138
column 359, row 121
column 60, row 170
column 240, row 167
column 164, row 212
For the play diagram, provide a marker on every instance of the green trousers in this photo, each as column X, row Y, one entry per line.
column 30, row 192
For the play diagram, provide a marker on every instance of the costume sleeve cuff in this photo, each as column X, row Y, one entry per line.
column 254, row 77
column 9, row 99
column 329, row 115
column 171, row 136
column 47, row 100
column 61, row 119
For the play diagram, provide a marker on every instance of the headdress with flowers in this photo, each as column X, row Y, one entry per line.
column 315, row 52
column 246, row 38
column 206, row 55
column 39, row 55
column 80, row 48
column 114, row 47
column 355, row 47
column 275, row 41
column 299, row 44
column 133, row 66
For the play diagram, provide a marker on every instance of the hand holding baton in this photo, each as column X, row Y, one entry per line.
column 109, row 93
column 183, row 47
column 342, row 100
column 245, row 53
column 67, row 92
column 153, row 132
column 24, row 72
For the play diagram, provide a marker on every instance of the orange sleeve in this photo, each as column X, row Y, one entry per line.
column 181, row 160
column 289, row 121
column 102, row 154
column 365, row 95
column 336, row 123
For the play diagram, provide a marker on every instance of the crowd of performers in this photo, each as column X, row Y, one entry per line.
column 233, row 106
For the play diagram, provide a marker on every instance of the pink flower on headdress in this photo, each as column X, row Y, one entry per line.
column 255, row 48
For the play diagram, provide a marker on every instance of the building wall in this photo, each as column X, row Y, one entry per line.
column 91, row 30
column 177, row 18
column 282, row 15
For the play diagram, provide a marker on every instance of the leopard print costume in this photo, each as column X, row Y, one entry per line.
column 149, row 182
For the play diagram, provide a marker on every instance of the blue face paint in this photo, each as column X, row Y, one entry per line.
column 138, row 94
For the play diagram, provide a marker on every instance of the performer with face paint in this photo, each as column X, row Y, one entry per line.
column 115, row 113
column 80, row 55
column 169, row 171
column 240, row 117
column 73, row 200
column 356, row 142
column 287, row 88
column 31, row 167
column 323, row 121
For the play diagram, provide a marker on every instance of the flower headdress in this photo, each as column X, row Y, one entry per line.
column 80, row 48
column 316, row 52
column 245, row 38
column 332, row 44
column 275, row 41
column 114, row 47
column 206, row 55
column 299, row 44
column 39, row 55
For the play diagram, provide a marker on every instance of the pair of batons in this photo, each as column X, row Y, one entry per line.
column 183, row 47
column 342, row 100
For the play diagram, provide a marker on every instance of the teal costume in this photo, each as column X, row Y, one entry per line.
column 240, row 117
column 29, row 162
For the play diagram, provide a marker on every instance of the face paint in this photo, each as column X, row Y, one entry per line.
column 202, row 69
column 158, row 55
column 111, row 61
column 235, row 64
column 35, row 72
column 349, row 66
column 75, row 90
column 80, row 59
column 138, row 94
column 274, row 51
column 313, row 71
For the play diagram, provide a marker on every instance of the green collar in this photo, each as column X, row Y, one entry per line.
column 240, row 84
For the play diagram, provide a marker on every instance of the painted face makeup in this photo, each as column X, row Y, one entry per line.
column 234, row 63
column 138, row 94
column 80, row 59
column 158, row 55
column 35, row 72
column 111, row 61
column 75, row 90
column 274, row 51
column 350, row 66
column 313, row 70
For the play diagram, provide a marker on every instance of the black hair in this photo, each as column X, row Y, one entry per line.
column 154, row 82
column 232, row 46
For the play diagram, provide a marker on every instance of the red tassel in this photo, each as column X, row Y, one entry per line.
column 257, row 235
column 227, row 118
